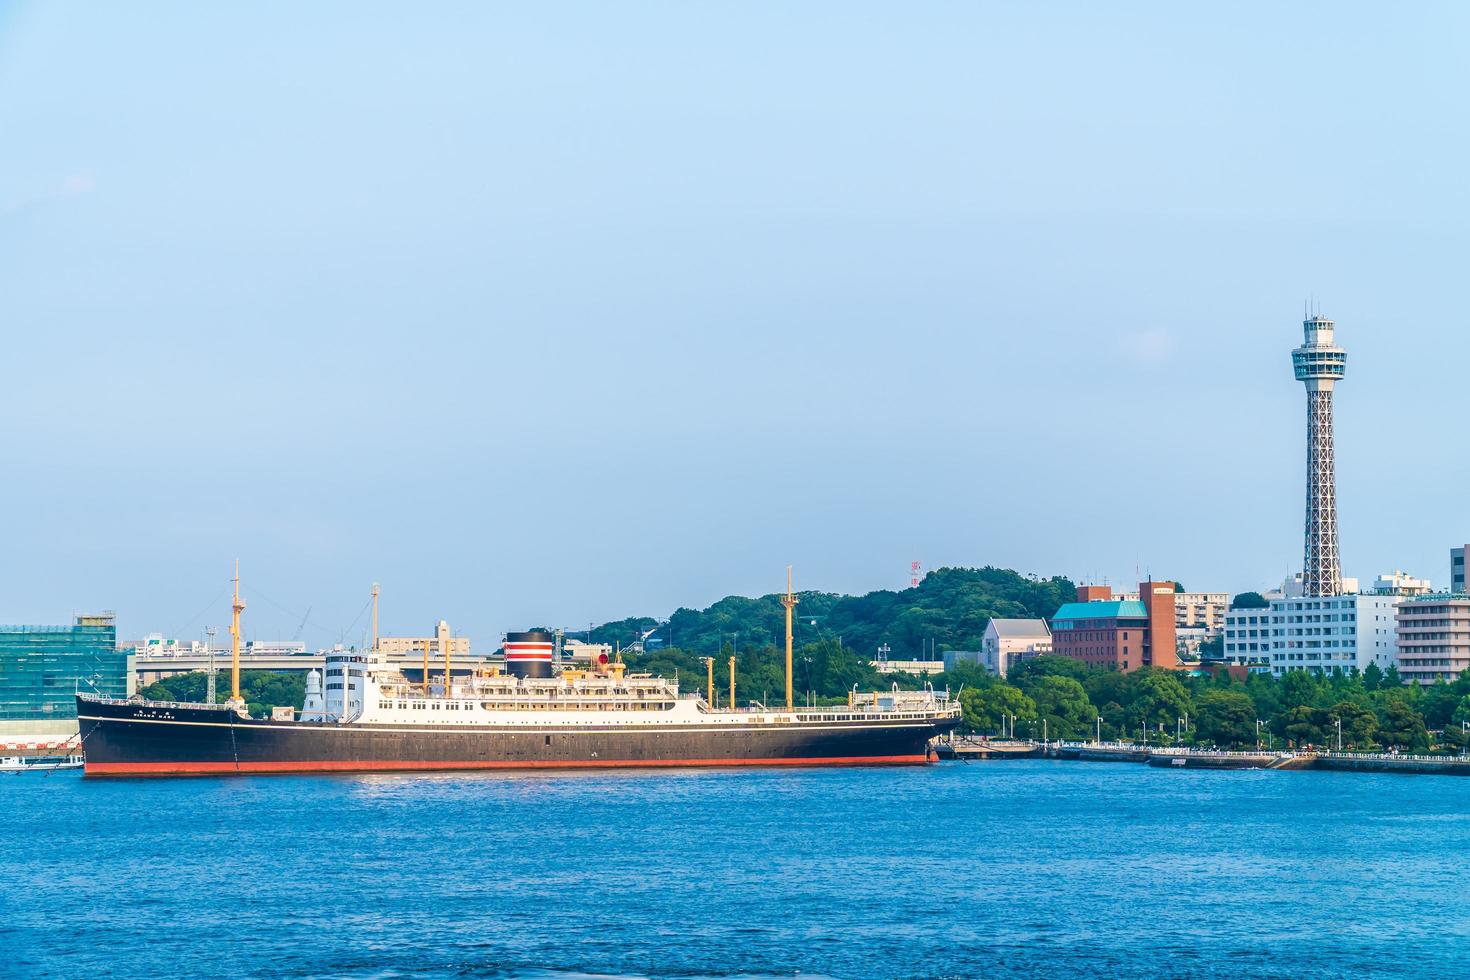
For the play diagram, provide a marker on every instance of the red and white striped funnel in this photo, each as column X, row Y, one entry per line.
column 529, row 654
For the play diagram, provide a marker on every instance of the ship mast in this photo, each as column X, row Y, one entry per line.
column 444, row 646
column 789, row 601
column 709, row 692
column 237, row 607
column 375, row 616
column 732, row 683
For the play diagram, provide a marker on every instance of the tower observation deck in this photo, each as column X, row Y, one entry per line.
column 1320, row 364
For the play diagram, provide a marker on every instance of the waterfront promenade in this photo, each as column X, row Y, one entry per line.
column 973, row 749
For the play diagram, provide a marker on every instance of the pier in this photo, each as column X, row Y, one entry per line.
column 980, row 749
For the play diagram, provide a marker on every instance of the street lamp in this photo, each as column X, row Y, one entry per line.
column 1258, row 734
column 1099, row 730
column 1339, row 734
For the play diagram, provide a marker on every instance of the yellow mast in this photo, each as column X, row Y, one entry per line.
column 426, row 667
column 375, row 615
column 709, row 691
column 732, row 683
column 236, row 609
column 789, row 601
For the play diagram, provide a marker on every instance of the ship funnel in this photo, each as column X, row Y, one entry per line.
column 528, row 654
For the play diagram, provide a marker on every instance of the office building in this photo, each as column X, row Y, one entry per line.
column 1433, row 637
column 1201, row 611
column 43, row 667
column 1323, row 634
column 1124, row 634
column 1247, row 639
column 404, row 646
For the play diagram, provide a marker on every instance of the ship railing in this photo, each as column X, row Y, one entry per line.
column 160, row 704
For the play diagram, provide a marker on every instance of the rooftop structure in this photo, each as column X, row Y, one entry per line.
column 1319, row 364
column 1400, row 583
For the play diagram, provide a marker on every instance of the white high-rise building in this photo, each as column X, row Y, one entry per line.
column 1247, row 637
column 1327, row 633
column 1320, row 633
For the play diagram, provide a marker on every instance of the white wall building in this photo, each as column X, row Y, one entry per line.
column 1337, row 632
column 1247, row 636
column 1401, row 584
column 1321, row 633
column 1009, row 641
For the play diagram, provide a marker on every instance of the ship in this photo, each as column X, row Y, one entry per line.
column 363, row 714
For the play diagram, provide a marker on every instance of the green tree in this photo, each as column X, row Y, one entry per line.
column 1455, row 738
column 1300, row 688
column 1062, row 703
column 1301, row 726
column 1461, row 715
column 985, row 709
column 1249, row 600
column 1373, row 677
column 1359, row 724
column 1402, row 727
column 1391, row 678
column 1027, row 671
column 1439, row 703
column 1225, row 718
column 1155, row 697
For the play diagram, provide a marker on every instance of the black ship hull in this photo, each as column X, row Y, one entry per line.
column 143, row 738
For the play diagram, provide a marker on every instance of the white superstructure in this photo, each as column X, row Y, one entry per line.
column 364, row 688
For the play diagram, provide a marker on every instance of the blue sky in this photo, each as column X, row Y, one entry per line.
column 557, row 313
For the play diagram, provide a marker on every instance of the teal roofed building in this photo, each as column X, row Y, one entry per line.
column 43, row 667
column 1118, row 633
column 1115, row 609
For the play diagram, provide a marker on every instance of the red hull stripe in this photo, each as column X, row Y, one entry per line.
column 203, row 768
column 527, row 656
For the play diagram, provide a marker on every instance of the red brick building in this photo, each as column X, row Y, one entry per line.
column 1123, row 634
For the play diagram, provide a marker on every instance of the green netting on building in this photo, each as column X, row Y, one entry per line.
column 42, row 667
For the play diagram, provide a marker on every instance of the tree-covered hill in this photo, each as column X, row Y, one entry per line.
column 950, row 607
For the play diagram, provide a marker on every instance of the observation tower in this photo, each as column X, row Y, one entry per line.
column 1319, row 364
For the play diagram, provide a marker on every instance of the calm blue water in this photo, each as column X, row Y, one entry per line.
column 986, row 869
